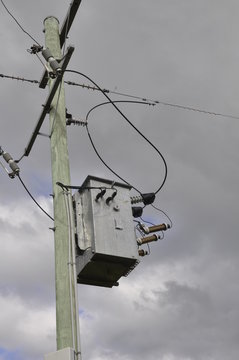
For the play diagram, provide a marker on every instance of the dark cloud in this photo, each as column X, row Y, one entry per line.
column 181, row 301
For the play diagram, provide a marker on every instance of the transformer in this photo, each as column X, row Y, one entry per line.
column 107, row 247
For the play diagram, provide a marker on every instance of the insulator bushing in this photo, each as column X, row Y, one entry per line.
column 147, row 239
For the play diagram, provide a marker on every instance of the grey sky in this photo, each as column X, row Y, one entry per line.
column 181, row 302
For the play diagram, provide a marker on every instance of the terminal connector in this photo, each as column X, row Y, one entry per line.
column 148, row 239
column 143, row 252
column 154, row 228
column 12, row 164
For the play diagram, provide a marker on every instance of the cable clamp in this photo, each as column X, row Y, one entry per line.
column 35, row 49
column 12, row 164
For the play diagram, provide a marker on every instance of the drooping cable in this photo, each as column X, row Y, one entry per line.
column 31, row 196
column 130, row 123
column 163, row 212
column 93, row 144
column 17, row 22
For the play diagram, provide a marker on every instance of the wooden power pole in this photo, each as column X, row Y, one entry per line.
column 67, row 318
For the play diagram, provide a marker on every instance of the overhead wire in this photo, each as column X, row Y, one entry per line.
column 163, row 212
column 92, row 142
column 18, row 23
column 31, row 196
column 155, row 102
column 130, row 123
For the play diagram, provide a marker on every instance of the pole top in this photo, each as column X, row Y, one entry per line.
column 51, row 17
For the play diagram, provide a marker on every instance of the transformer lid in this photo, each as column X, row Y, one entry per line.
column 105, row 181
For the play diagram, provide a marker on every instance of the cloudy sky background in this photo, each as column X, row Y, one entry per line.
column 181, row 302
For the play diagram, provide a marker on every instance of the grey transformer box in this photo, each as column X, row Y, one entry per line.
column 107, row 246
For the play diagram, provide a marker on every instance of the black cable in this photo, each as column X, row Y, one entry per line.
column 108, row 167
column 33, row 198
column 118, row 101
column 135, row 128
column 93, row 145
column 66, row 187
column 8, row 11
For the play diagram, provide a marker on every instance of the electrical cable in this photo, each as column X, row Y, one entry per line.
column 154, row 102
column 93, row 145
column 17, row 22
column 169, row 219
column 72, row 271
column 31, row 196
column 73, row 187
column 131, row 124
column 145, row 221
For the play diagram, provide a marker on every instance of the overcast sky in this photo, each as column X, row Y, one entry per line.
column 181, row 302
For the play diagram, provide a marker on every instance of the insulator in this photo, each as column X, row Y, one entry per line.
column 161, row 227
column 110, row 198
column 100, row 194
column 154, row 228
column 147, row 239
column 147, row 199
column 143, row 252
column 76, row 122
column 136, row 199
column 54, row 64
column 15, row 168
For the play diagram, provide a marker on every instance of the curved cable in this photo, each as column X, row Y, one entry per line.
column 93, row 145
column 33, row 198
column 108, row 167
column 135, row 128
column 117, row 101
column 163, row 212
column 17, row 22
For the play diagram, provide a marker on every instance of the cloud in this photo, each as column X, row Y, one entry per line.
column 180, row 303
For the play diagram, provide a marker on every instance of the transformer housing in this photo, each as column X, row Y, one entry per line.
column 107, row 247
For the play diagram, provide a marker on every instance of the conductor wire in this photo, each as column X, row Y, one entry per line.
column 92, row 142
column 135, row 128
column 17, row 22
column 31, row 196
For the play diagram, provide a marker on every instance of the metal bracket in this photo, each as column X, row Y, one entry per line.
column 47, row 105
column 63, row 34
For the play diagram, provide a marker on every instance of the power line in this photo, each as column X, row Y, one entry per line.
column 19, row 78
column 156, row 102
column 129, row 122
column 17, row 22
column 163, row 212
column 31, row 196
column 97, row 153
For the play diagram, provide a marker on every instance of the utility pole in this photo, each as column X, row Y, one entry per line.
column 67, row 318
